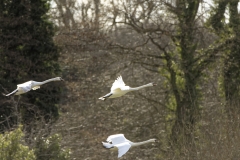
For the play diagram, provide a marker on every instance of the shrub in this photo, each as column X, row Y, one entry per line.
column 11, row 147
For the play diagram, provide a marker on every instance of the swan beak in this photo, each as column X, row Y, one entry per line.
column 154, row 84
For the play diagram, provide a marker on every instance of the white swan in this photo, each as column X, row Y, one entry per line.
column 119, row 89
column 27, row 86
column 118, row 141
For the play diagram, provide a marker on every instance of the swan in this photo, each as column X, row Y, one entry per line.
column 27, row 86
column 118, row 141
column 119, row 89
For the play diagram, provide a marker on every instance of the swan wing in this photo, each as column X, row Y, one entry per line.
column 25, row 87
column 123, row 148
column 35, row 87
column 116, row 139
column 118, row 84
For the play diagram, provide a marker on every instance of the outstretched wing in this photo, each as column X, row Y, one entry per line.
column 118, row 84
column 116, row 139
column 122, row 148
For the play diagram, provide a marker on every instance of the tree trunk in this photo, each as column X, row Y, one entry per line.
column 187, row 115
column 232, row 66
column 187, row 112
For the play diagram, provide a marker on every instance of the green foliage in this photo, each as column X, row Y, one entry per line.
column 217, row 16
column 11, row 147
column 50, row 149
column 29, row 53
column 230, row 80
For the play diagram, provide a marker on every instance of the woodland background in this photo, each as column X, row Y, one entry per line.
column 190, row 48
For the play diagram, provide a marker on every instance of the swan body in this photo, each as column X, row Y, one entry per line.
column 27, row 86
column 119, row 89
column 118, row 141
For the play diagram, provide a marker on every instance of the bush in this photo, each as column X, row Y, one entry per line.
column 11, row 147
column 50, row 149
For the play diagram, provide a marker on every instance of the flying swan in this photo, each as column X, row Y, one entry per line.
column 118, row 141
column 27, row 86
column 119, row 89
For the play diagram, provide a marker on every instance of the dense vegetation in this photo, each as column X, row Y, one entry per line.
column 28, row 53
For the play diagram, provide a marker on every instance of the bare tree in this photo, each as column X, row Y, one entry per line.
column 169, row 32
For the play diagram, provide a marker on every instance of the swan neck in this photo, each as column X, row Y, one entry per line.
column 50, row 80
column 140, row 143
column 140, row 87
column 46, row 81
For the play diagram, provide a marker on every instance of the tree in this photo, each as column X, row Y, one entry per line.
column 64, row 18
column 28, row 52
column 169, row 35
column 231, row 68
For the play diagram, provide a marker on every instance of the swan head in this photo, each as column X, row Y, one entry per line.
column 59, row 79
column 152, row 84
column 153, row 140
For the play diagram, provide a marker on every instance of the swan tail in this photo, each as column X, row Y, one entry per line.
column 102, row 98
column 107, row 145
